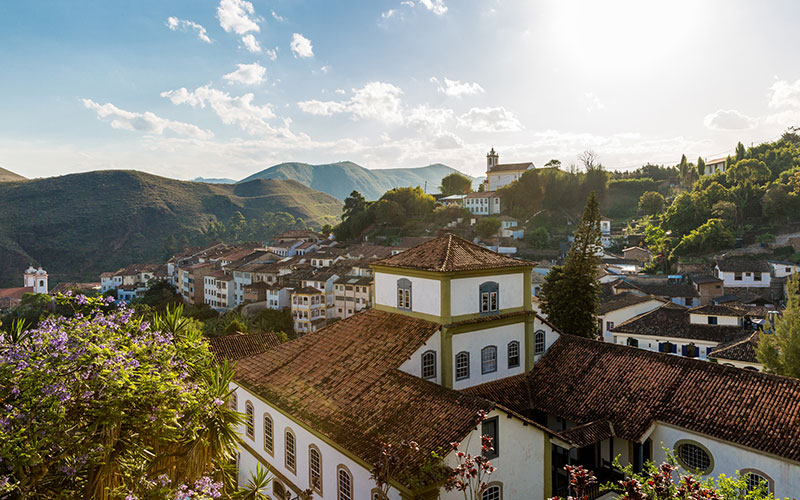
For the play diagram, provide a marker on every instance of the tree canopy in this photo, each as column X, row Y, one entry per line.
column 455, row 183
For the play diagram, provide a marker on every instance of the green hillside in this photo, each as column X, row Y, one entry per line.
column 8, row 176
column 340, row 179
column 79, row 225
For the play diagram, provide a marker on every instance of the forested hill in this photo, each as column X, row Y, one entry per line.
column 79, row 225
column 7, row 175
column 340, row 179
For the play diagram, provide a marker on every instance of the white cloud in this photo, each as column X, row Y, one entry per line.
column 301, row 46
column 240, row 110
column 144, row 122
column 235, row 16
column 436, row 6
column 729, row 120
column 340, row 91
column 447, row 140
column 428, row 119
column 595, row 104
column 272, row 54
column 785, row 94
column 176, row 24
column 278, row 18
column 247, row 74
column 251, row 44
column 324, row 69
column 376, row 100
column 389, row 14
column 454, row 88
column 489, row 120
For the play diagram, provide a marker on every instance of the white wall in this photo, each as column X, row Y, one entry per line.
column 783, row 270
column 651, row 343
column 331, row 458
column 426, row 295
column 729, row 280
column 728, row 458
column 465, row 296
column 520, row 463
column 474, row 341
column 702, row 319
column 413, row 365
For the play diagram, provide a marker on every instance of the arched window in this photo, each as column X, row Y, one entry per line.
column 513, row 354
column 694, row 457
column 493, row 492
column 489, row 359
column 249, row 420
column 344, row 484
column 290, row 455
column 429, row 364
column 538, row 342
column 234, row 402
column 755, row 479
column 462, row 365
column 278, row 490
column 404, row 294
column 269, row 434
column 489, row 297
column 315, row 469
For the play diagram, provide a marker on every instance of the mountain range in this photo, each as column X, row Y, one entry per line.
column 7, row 176
column 341, row 178
column 77, row 226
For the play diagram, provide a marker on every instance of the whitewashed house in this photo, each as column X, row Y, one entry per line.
column 483, row 203
column 743, row 273
column 619, row 308
column 502, row 174
column 783, row 269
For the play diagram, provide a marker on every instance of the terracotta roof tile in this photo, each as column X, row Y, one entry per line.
column 343, row 382
column 511, row 167
column 450, row 253
column 587, row 434
column 622, row 300
column 584, row 381
column 739, row 349
column 238, row 346
column 743, row 266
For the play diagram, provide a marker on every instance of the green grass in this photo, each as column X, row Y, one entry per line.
column 79, row 225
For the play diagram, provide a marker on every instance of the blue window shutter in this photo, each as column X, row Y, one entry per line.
column 674, row 348
column 660, row 347
column 683, row 350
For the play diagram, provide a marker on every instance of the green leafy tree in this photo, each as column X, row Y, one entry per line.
column 353, row 204
column 710, row 237
column 726, row 211
column 389, row 212
column 741, row 152
column 570, row 293
column 487, row 227
column 538, row 238
column 701, row 167
column 779, row 352
column 107, row 406
column 455, row 183
column 748, row 171
column 553, row 164
column 776, row 202
column 651, row 203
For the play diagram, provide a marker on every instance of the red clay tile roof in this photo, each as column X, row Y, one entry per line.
column 622, row 300
column 586, row 434
column 673, row 321
column 584, row 380
column 343, row 382
column 238, row 345
column 511, row 167
column 739, row 349
column 743, row 266
column 717, row 310
column 15, row 293
column 450, row 253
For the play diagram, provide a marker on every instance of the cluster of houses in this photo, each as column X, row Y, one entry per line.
column 453, row 331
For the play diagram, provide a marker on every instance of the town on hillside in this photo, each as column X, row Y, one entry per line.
column 399, row 250
column 335, row 341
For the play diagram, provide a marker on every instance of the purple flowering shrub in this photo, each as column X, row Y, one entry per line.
column 106, row 405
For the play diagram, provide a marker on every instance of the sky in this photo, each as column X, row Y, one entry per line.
column 225, row 88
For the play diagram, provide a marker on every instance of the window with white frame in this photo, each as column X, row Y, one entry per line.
column 489, row 297
column 513, row 354
column 344, row 484
column 538, row 342
column 493, row 492
column 462, row 365
column 693, row 457
column 269, row 434
column 404, row 294
column 315, row 468
column 429, row 364
column 489, row 359
column 234, row 402
column 249, row 420
column 290, row 455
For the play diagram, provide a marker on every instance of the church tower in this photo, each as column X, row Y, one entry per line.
column 36, row 279
column 491, row 159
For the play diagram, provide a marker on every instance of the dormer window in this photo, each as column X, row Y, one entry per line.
column 489, row 297
column 404, row 294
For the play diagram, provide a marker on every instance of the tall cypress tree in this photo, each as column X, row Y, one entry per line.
column 779, row 352
column 571, row 292
column 701, row 167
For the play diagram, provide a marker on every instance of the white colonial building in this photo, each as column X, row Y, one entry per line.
column 36, row 279
column 743, row 273
column 502, row 174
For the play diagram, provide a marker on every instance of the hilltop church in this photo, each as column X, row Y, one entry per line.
column 498, row 175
